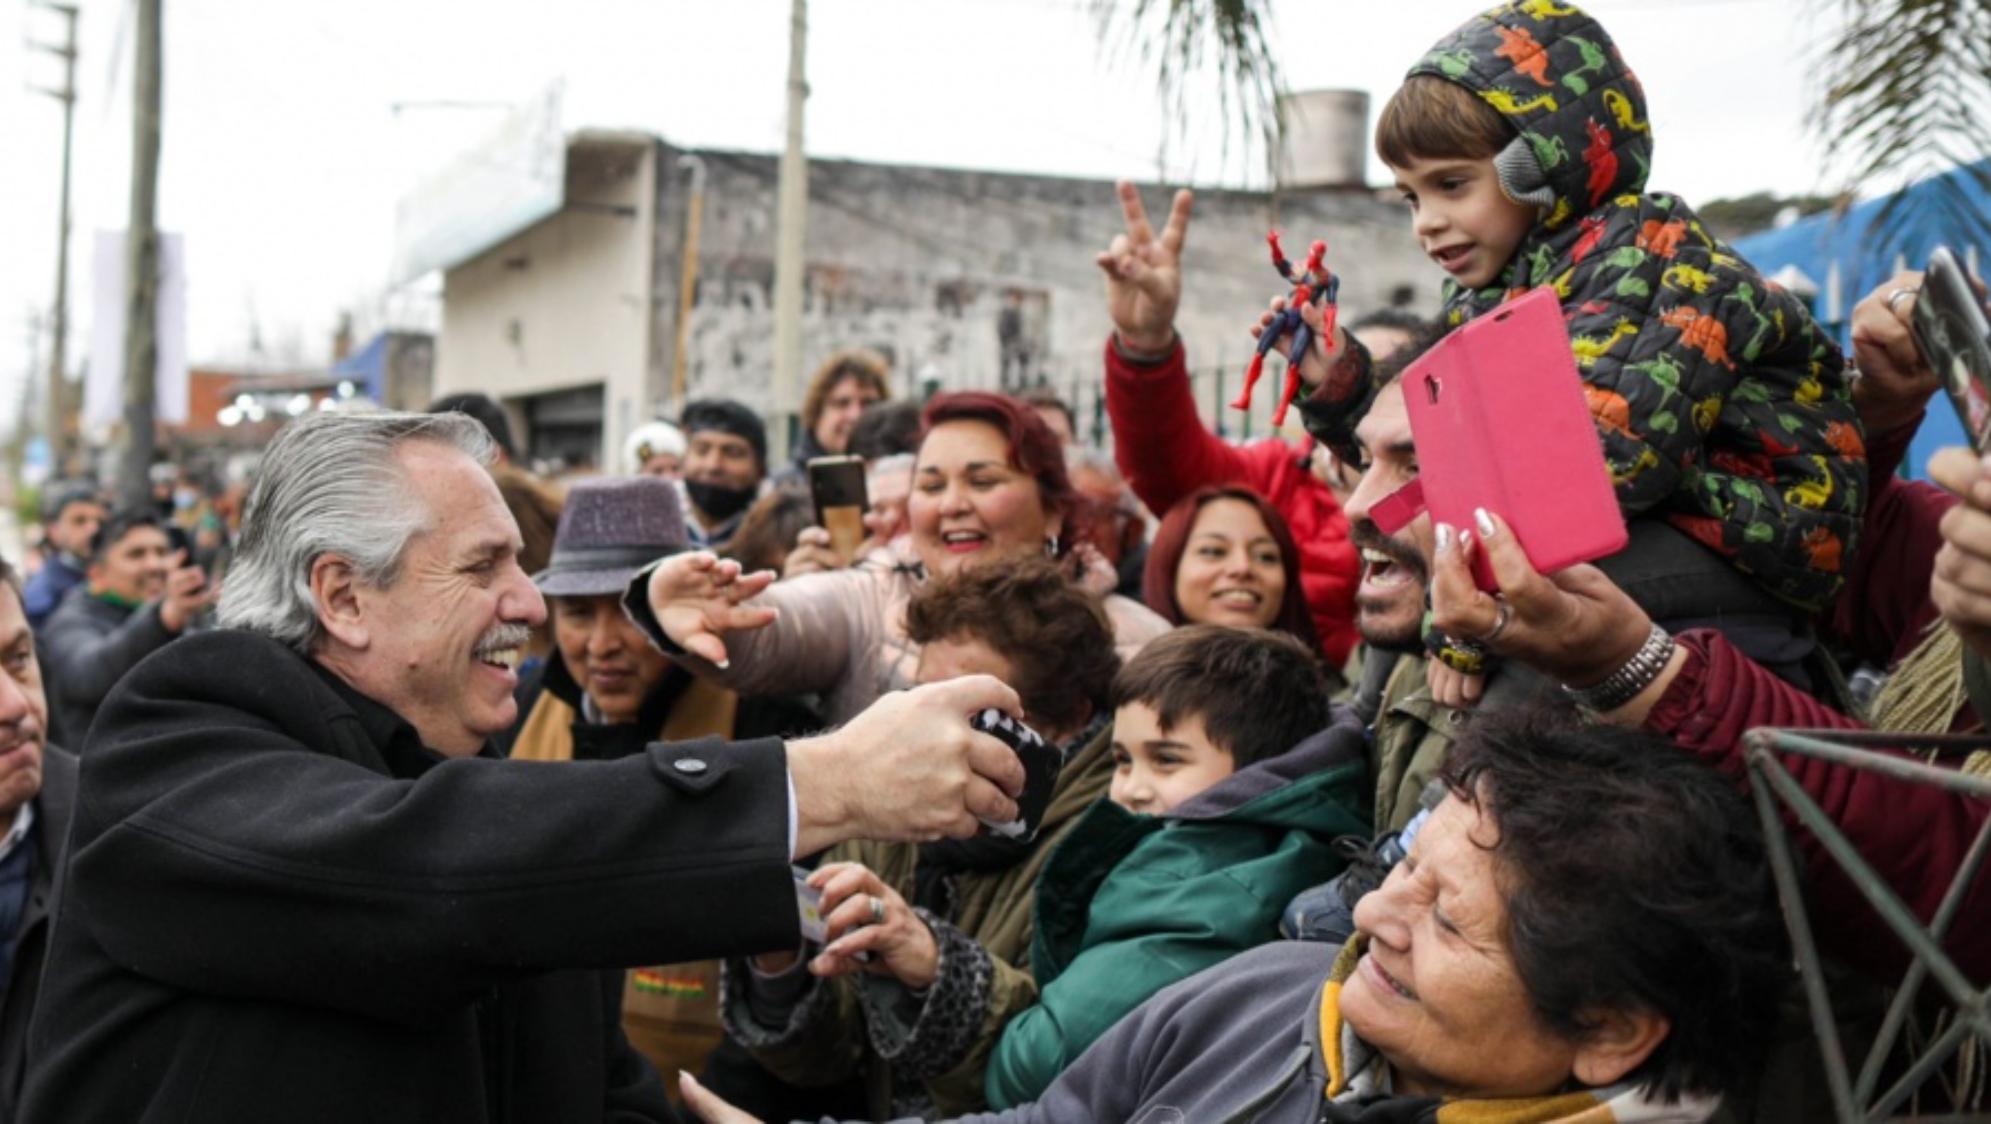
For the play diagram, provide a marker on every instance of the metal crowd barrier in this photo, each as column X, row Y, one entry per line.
column 1857, row 1097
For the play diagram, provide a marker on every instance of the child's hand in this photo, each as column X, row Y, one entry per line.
column 1321, row 362
column 1451, row 687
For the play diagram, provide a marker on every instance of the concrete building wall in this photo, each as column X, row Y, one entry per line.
column 985, row 279
column 567, row 302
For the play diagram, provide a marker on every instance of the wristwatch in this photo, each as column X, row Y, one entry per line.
column 1624, row 684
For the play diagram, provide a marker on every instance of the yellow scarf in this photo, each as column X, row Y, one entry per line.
column 703, row 711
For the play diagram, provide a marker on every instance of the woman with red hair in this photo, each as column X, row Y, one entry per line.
column 1224, row 556
column 989, row 484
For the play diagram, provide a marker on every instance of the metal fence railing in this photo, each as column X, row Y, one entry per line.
column 1213, row 385
column 1859, row 1098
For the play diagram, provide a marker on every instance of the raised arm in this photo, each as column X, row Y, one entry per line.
column 750, row 635
column 213, row 852
column 1158, row 439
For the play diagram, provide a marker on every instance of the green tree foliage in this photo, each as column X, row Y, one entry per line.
column 1907, row 94
column 1189, row 41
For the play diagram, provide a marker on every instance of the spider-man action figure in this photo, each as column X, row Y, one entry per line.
column 1305, row 291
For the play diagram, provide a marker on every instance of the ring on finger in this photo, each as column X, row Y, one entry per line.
column 1502, row 614
column 877, row 910
column 1897, row 293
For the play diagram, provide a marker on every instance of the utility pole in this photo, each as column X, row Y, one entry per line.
column 55, row 425
column 790, row 223
column 141, row 270
column 687, row 286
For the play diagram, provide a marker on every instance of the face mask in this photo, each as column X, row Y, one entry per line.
column 719, row 501
column 184, row 498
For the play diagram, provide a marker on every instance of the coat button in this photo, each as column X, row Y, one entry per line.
column 690, row 766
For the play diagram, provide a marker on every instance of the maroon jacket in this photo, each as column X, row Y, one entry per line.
column 1166, row 453
column 1914, row 836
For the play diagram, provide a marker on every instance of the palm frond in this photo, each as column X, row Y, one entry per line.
column 1906, row 95
column 1195, row 43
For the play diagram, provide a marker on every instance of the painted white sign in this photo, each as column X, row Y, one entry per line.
column 103, row 392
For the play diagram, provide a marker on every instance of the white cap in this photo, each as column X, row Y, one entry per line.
column 652, row 439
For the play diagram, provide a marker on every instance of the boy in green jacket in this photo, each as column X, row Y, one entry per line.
column 1232, row 778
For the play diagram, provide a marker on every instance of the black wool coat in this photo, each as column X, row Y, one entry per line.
column 281, row 906
column 54, row 806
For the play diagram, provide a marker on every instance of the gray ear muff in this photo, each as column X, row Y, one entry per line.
column 1521, row 176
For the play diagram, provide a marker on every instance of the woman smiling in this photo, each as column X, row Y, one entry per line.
column 989, row 485
column 1224, row 556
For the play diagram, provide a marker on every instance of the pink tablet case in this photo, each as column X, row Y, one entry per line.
column 1499, row 416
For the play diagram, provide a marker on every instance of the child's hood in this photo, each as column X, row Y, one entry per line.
column 1556, row 77
column 1269, row 791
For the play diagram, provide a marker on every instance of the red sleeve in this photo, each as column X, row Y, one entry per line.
column 1159, row 441
column 1913, row 835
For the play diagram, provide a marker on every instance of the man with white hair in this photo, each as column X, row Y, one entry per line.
column 304, row 888
column 37, row 795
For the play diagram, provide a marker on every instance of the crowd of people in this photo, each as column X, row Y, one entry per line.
column 405, row 785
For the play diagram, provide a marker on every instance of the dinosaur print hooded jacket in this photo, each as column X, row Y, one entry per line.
column 1722, row 405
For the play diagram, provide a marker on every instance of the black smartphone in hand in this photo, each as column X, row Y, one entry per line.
column 836, row 484
column 1953, row 333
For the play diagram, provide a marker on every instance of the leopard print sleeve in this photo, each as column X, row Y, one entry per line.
column 926, row 1034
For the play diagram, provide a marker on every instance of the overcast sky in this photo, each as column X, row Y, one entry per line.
column 284, row 155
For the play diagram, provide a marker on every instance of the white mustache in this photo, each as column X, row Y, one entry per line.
column 503, row 637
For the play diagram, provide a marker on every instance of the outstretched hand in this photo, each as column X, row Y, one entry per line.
column 886, row 938
column 1144, row 273
column 908, row 768
column 698, row 596
column 1895, row 382
column 1574, row 626
column 1961, row 584
column 708, row 1105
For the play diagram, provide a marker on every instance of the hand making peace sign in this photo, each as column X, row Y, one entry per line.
column 1144, row 273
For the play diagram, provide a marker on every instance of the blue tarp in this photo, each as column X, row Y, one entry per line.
column 367, row 367
column 1846, row 260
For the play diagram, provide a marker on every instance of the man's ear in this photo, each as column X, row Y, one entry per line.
column 336, row 594
column 1620, row 1044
